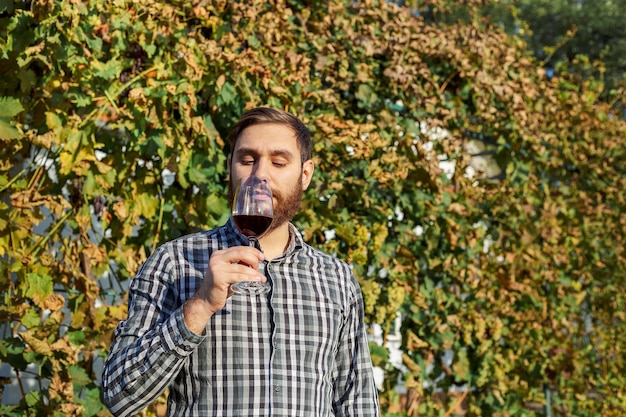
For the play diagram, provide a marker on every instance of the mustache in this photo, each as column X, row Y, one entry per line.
column 276, row 194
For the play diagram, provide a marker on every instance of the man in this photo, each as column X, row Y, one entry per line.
column 299, row 350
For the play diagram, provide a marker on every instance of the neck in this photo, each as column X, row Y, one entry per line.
column 275, row 242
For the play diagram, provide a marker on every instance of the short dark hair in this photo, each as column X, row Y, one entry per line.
column 262, row 115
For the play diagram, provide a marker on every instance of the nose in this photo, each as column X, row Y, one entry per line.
column 261, row 169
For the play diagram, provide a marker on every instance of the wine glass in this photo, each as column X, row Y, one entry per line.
column 253, row 211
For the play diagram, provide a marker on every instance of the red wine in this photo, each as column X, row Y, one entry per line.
column 252, row 226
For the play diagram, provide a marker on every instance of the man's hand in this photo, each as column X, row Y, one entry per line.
column 225, row 267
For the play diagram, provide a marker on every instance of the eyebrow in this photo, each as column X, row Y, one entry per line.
column 278, row 152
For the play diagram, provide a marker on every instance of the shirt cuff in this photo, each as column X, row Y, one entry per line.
column 177, row 337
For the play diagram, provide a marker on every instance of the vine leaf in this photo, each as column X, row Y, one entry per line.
column 9, row 108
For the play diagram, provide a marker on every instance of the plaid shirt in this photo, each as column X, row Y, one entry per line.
column 299, row 351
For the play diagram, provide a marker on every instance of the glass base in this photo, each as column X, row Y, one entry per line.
column 251, row 288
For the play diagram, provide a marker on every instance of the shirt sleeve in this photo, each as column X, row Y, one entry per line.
column 355, row 391
column 151, row 346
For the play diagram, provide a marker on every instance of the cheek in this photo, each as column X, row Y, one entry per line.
column 238, row 172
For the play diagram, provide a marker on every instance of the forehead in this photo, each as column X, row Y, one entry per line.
column 268, row 137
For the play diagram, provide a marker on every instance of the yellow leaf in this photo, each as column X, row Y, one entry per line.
column 70, row 351
column 580, row 297
column 457, row 208
column 72, row 409
column 61, row 388
column 53, row 121
column 461, row 366
column 221, row 80
column 37, row 345
column 414, row 342
column 37, row 287
column 78, row 318
column 102, row 167
column 134, row 259
column 54, row 302
column 137, row 95
column 95, row 253
column 146, row 205
column 121, row 210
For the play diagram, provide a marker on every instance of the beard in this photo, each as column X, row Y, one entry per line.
column 285, row 207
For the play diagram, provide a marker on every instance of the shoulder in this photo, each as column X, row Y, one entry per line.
column 326, row 272
column 207, row 239
column 306, row 251
column 331, row 270
column 183, row 257
column 324, row 257
column 191, row 249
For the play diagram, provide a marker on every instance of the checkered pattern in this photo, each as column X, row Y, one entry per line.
column 299, row 351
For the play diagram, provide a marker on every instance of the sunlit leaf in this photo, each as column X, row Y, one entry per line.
column 37, row 287
column 9, row 108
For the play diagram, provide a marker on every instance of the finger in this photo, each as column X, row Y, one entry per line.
column 243, row 254
column 243, row 272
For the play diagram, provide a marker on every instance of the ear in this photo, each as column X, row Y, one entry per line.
column 307, row 173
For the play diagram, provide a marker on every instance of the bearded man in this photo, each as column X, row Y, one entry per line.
column 298, row 348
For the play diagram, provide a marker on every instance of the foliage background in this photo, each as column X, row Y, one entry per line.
column 507, row 268
column 561, row 33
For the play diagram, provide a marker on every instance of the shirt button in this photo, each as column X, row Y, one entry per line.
column 276, row 388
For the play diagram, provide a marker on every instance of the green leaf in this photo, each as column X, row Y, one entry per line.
column 81, row 100
column 461, row 366
column 200, row 172
column 228, row 94
column 90, row 399
column 31, row 318
column 253, row 41
column 380, row 354
column 11, row 346
column 37, row 287
column 107, row 70
column 366, row 96
column 79, row 375
column 53, row 121
column 7, row 131
column 150, row 49
column 10, row 107
column 28, row 79
column 199, row 176
column 89, row 187
column 147, row 205
column 217, row 205
column 76, row 337
column 10, row 410
column 33, row 398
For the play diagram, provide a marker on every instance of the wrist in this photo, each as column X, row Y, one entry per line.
column 197, row 313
